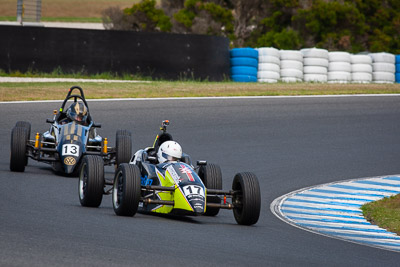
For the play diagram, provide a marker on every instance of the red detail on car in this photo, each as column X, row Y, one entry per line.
column 186, row 170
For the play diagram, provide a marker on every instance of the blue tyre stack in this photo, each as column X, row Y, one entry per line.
column 398, row 69
column 244, row 64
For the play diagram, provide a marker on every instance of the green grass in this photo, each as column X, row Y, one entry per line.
column 385, row 213
column 153, row 89
column 150, row 88
column 58, row 73
column 8, row 18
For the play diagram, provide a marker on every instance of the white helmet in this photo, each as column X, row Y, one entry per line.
column 169, row 151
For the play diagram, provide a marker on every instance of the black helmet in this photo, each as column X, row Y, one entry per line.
column 77, row 112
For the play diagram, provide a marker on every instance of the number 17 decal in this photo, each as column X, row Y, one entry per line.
column 193, row 190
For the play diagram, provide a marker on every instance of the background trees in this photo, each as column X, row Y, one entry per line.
column 347, row 25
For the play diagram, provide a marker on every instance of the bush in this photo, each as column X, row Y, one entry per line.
column 143, row 16
column 286, row 39
column 204, row 18
column 349, row 25
column 332, row 25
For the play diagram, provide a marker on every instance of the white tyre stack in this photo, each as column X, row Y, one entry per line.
column 397, row 69
column 268, row 65
column 383, row 67
column 339, row 69
column 316, row 63
column 361, row 68
column 291, row 66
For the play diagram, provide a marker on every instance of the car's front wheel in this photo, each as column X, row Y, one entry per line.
column 126, row 190
column 27, row 126
column 18, row 157
column 91, row 181
column 246, row 199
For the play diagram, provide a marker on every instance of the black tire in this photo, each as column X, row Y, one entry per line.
column 123, row 147
column 127, row 190
column 91, row 181
column 18, row 158
column 24, row 124
column 211, row 176
column 247, row 200
column 124, row 132
column 27, row 126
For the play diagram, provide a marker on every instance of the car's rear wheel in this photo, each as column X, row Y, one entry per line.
column 123, row 147
column 126, row 190
column 18, row 157
column 247, row 198
column 211, row 176
column 91, row 181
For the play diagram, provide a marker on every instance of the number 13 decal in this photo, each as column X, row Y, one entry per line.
column 70, row 149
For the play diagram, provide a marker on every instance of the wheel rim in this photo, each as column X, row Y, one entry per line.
column 83, row 178
column 118, row 190
column 237, row 199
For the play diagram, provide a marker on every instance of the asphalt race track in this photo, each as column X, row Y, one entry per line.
column 289, row 143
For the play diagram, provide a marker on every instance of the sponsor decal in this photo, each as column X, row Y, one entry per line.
column 186, row 170
column 145, row 181
column 69, row 161
column 173, row 174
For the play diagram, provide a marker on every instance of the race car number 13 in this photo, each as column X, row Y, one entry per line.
column 70, row 149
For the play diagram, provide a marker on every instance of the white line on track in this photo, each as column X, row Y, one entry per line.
column 334, row 210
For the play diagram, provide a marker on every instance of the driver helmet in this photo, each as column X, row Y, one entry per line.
column 77, row 112
column 169, row 151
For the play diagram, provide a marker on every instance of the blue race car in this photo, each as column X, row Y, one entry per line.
column 162, row 179
column 72, row 135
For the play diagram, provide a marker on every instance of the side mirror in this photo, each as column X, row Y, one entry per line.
column 50, row 121
column 96, row 125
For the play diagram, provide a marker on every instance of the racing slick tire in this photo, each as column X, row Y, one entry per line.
column 91, row 181
column 211, row 176
column 27, row 125
column 126, row 190
column 18, row 158
column 123, row 147
column 247, row 200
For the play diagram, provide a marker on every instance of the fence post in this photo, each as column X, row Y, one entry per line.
column 20, row 11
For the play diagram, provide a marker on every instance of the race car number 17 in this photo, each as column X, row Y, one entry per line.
column 70, row 149
column 193, row 190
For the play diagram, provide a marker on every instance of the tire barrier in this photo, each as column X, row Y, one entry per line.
column 268, row 65
column 397, row 69
column 361, row 68
column 383, row 67
column 316, row 63
column 244, row 64
column 339, row 68
column 313, row 65
column 291, row 66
